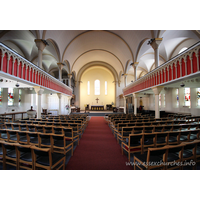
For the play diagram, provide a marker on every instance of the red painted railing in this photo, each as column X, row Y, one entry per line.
column 15, row 65
column 182, row 65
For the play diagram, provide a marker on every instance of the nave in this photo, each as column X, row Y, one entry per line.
column 98, row 150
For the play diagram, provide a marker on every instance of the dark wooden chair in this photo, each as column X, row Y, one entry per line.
column 133, row 145
column 25, row 157
column 10, row 154
column 45, row 159
column 154, row 158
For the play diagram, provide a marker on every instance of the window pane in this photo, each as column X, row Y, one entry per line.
column 187, row 97
column 10, row 97
column 177, row 98
column 20, row 96
column 198, row 96
column 97, row 87
column 88, row 87
column 106, row 88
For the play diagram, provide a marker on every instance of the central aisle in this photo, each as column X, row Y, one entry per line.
column 98, row 149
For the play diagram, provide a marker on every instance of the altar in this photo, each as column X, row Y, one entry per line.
column 97, row 107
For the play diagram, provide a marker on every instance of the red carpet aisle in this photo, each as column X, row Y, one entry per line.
column 98, row 149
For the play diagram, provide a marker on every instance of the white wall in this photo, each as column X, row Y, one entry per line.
column 28, row 99
column 170, row 101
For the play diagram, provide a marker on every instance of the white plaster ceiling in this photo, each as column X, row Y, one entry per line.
column 118, row 48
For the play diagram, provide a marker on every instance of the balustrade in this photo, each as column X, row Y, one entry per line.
column 182, row 65
column 14, row 64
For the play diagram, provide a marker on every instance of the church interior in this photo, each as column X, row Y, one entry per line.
column 99, row 100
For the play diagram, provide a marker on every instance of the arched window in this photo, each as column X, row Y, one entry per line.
column 88, row 88
column 10, row 97
column 198, row 96
column 106, row 90
column 187, row 97
column 97, row 87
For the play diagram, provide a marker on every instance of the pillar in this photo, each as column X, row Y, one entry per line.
column 125, row 82
column 155, row 45
column 115, row 102
column 70, row 76
column 60, row 98
column 157, row 91
column 135, row 70
column 40, row 45
column 39, row 92
column 135, row 95
column 60, row 67
column 125, row 105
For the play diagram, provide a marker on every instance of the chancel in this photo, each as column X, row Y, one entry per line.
column 93, row 84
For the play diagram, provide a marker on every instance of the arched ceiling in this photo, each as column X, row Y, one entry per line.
column 118, row 48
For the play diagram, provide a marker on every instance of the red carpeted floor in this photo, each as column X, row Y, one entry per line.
column 98, row 149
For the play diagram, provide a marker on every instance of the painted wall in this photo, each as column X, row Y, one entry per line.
column 28, row 99
column 171, row 103
column 91, row 75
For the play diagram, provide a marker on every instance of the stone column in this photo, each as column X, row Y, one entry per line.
column 60, row 98
column 40, row 45
column 135, row 95
column 78, row 89
column 125, row 105
column 39, row 92
column 157, row 91
column 125, row 80
column 155, row 45
column 70, row 76
column 60, row 67
column 135, row 70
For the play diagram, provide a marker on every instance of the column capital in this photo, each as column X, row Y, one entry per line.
column 40, row 44
column 59, row 95
column 60, row 65
column 136, row 95
column 155, row 43
column 38, row 90
column 135, row 64
column 157, row 89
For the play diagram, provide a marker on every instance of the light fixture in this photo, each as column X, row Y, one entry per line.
column 45, row 42
column 182, row 84
column 1, row 80
column 150, row 41
column 17, row 85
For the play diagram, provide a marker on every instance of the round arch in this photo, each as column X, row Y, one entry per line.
column 97, row 63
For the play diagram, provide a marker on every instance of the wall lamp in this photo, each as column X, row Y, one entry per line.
column 150, row 41
column 45, row 42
